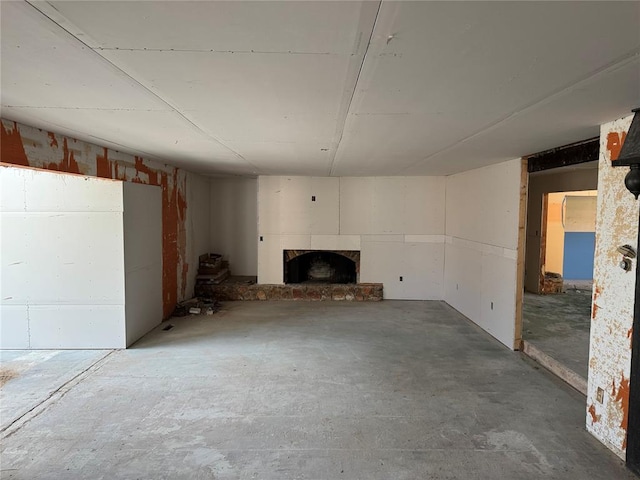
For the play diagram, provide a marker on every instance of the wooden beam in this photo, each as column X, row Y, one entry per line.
column 574, row 154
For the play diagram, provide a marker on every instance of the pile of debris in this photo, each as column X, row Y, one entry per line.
column 196, row 306
column 212, row 269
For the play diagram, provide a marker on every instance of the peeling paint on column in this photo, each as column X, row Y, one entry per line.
column 592, row 411
column 12, row 146
column 614, row 144
column 28, row 146
column 613, row 297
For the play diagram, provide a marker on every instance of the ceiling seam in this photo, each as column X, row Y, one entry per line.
column 127, row 75
column 207, row 50
column 610, row 67
column 353, row 92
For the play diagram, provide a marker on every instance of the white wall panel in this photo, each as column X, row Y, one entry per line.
column 424, row 205
column 388, row 205
column 356, row 205
column 270, row 260
column 295, row 205
column 77, row 326
column 381, row 262
column 74, row 194
column 234, row 220
column 295, row 242
column 483, row 204
column 335, row 242
column 463, row 279
column 142, row 258
column 198, row 225
column 12, row 189
column 497, row 304
column 269, row 194
column 325, row 210
column 62, row 258
column 423, row 267
column 14, row 327
column 482, row 218
column 424, row 238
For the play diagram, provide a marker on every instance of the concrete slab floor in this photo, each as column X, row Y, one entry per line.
column 282, row 390
column 559, row 326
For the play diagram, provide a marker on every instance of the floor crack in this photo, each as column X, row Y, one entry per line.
column 53, row 397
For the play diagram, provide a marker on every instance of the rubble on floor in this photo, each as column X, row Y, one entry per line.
column 196, row 306
column 553, row 283
column 212, row 269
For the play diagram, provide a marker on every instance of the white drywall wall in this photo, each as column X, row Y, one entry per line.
column 198, row 225
column 397, row 223
column 234, row 220
column 142, row 258
column 62, row 271
column 482, row 216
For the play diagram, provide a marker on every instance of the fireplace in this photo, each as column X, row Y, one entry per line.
column 321, row 266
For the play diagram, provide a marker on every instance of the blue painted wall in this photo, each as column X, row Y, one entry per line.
column 579, row 250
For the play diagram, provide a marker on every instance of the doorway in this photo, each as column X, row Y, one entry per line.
column 559, row 255
column 557, row 317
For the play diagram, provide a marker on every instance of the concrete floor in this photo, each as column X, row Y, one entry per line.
column 559, row 326
column 283, row 390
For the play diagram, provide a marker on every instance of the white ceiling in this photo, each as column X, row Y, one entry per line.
column 321, row 88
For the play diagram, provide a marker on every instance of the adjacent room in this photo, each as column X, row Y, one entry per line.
column 359, row 239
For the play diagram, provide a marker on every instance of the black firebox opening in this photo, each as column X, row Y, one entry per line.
column 320, row 267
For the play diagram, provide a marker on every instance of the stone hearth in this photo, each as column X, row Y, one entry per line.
column 238, row 288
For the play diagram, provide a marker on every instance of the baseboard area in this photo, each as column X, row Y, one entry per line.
column 555, row 367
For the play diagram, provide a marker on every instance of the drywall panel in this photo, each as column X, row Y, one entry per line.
column 424, row 205
column 424, row 239
column 88, row 195
column 197, row 226
column 270, row 259
column 234, row 219
column 382, row 238
column 381, row 262
column 463, row 279
column 142, row 258
column 335, row 242
column 295, row 205
column 497, row 301
column 388, row 205
column 325, row 206
column 62, row 261
column 409, row 271
column 77, row 326
column 356, row 201
column 62, row 258
column 580, row 213
column 14, row 327
column 482, row 224
column 483, row 204
column 268, row 204
column 295, row 242
column 422, row 272
column 392, row 205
